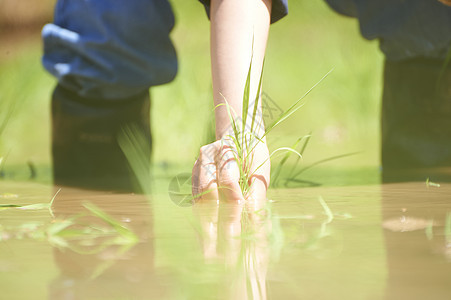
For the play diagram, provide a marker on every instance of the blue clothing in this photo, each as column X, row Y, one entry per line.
column 114, row 49
column 405, row 28
column 279, row 9
column 110, row 48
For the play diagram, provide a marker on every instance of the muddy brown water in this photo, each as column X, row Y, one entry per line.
column 366, row 242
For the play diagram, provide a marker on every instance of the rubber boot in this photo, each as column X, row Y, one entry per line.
column 85, row 148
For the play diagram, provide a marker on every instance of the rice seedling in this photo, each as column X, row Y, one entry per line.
column 429, row 183
column 245, row 138
column 61, row 233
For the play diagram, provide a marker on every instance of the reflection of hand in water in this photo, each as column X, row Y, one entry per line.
column 236, row 235
column 94, row 265
column 217, row 170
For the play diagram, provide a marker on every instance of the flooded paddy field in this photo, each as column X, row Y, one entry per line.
column 364, row 242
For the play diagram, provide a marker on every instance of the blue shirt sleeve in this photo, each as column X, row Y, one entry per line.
column 109, row 48
column 278, row 11
column 405, row 29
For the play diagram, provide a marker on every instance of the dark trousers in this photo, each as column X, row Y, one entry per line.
column 86, row 141
column 416, row 121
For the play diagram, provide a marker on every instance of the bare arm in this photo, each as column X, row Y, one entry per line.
column 239, row 28
column 239, row 32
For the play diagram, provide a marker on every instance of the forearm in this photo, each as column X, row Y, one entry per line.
column 239, row 31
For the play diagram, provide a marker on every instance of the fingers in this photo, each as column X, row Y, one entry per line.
column 256, row 198
column 229, row 231
column 220, row 227
column 228, row 173
column 217, row 176
column 204, row 177
column 207, row 215
column 259, row 180
column 259, row 184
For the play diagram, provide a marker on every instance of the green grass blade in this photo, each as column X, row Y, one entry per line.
column 276, row 174
column 293, row 107
column 121, row 229
column 246, row 93
column 135, row 146
column 323, row 161
column 232, row 120
column 274, row 152
column 304, row 146
column 307, row 139
column 327, row 210
column 9, row 205
column 257, row 98
column 37, row 206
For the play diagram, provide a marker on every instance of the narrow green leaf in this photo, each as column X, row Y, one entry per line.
column 135, row 147
column 232, row 120
column 247, row 88
column 58, row 242
column 257, row 98
column 293, row 107
column 37, row 206
column 327, row 211
column 121, row 229
column 275, row 178
column 323, row 161
column 274, row 152
column 57, row 227
column 304, row 146
column 430, row 183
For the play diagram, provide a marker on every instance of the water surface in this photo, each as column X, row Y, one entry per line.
column 365, row 242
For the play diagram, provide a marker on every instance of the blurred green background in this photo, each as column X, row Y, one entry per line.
column 342, row 113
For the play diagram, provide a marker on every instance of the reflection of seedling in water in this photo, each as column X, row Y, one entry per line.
column 75, row 233
column 322, row 242
column 37, row 206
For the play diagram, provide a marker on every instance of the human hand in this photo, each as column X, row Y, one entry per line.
column 236, row 235
column 217, row 174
